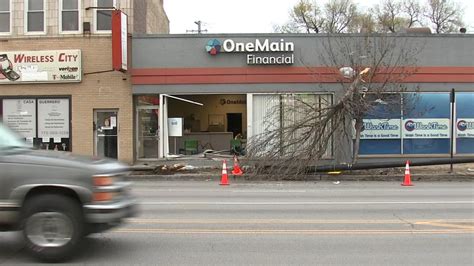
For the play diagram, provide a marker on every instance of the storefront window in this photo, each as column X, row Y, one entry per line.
column 147, row 113
column 464, row 126
column 147, row 100
column 281, row 111
column 382, row 126
column 43, row 122
column 148, row 133
column 426, row 123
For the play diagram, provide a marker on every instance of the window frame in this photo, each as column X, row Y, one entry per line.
column 25, row 19
column 79, row 21
column 95, row 30
column 10, row 12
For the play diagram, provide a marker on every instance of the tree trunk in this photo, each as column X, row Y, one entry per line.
column 358, row 129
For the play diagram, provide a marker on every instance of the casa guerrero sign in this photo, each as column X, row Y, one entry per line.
column 258, row 52
column 40, row 66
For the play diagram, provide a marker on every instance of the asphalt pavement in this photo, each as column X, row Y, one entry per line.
column 285, row 223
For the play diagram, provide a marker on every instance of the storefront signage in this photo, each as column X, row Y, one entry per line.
column 40, row 66
column 20, row 115
column 424, row 128
column 229, row 101
column 257, row 50
column 53, row 118
column 119, row 41
column 465, row 128
column 381, row 129
column 175, row 126
column 266, row 45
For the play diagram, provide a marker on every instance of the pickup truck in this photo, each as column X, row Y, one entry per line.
column 57, row 198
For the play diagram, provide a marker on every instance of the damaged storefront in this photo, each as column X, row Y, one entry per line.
column 211, row 92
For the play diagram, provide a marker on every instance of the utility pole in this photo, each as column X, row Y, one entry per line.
column 199, row 30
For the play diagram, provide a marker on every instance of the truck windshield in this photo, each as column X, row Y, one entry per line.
column 9, row 139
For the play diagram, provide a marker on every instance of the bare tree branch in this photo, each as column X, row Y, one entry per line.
column 339, row 15
column 445, row 15
column 413, row 12
column 304, row 130
column 343, row 16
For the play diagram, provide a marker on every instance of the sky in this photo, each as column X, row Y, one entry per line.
column 251, row 16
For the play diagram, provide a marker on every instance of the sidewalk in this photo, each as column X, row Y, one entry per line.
column 199, row 168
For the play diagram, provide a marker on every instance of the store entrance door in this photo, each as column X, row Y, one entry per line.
column 234, row 123
column 148, row 132
column 106, row 133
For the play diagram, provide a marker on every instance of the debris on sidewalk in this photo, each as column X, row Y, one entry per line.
column 168, row 169
column 188, row 167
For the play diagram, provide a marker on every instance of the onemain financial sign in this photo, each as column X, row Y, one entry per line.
column 258, row 52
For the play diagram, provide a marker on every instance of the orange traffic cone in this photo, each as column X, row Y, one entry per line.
column 236, row 170
column 407, row 179
column 224, row 178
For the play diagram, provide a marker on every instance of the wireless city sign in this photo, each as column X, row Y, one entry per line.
column 259, row 52
column 40, row 66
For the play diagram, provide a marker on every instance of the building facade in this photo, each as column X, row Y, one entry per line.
column 57, row 86
column 221, row 86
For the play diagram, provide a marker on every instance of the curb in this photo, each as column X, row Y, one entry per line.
column 323, row 177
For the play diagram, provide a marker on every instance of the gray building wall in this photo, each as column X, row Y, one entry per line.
column 169, row 51
column 188, row 51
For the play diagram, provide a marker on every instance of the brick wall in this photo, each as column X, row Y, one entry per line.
column 153, row 17
column 111, row 90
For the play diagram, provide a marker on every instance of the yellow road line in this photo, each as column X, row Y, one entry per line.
column 288, row 221
column 457, row 226
column 286, row 232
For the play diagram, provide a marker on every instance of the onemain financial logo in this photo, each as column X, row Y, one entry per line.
column 213, row 46
column 259, row 52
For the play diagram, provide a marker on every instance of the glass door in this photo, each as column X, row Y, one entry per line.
column 148, row 132
column 106, row 133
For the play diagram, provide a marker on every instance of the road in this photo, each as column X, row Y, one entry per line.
column 285, row 223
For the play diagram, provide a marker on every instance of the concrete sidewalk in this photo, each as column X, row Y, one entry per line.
column 199, row 168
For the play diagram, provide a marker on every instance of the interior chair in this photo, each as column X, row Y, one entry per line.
column 235, row 146
column 190, row 146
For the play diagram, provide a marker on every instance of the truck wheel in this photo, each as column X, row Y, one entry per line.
column 52, row 226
